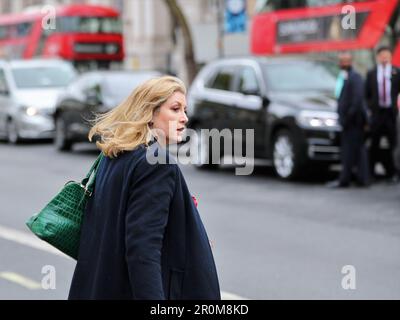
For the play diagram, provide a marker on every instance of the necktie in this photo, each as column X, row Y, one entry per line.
column 384, row 86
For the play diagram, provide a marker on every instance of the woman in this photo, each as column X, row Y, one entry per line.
column 142, row 237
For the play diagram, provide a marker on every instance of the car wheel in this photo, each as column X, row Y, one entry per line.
column 60, row 140
column 202, row 157
column 12, row 132
column 285, row 155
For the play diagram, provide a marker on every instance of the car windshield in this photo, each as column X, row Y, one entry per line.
column 42, row 76
column 119, row 86
column 300, row 76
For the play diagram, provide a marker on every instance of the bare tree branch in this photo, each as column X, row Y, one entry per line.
column 179, row 19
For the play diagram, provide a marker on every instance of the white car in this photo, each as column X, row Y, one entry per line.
column 28, row 94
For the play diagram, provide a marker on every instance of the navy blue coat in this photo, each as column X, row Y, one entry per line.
column 351, row 103
column 142, row 236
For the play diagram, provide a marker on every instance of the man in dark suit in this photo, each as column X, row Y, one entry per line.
column 382, row 90
column 352, row 118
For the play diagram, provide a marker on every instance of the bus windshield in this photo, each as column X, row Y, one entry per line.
column 42, row 77
column 89, row 24
column 270, row 5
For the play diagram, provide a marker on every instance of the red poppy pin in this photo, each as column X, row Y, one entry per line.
column 195, row 201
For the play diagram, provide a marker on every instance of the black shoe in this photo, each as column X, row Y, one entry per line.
column 337, row 184
column 372, row 180
column 363, row 184
column 393, row 180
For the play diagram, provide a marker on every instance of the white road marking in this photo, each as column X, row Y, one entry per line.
column 231, row 296
column 32, row 241
column 29, row 240
column 21, row 280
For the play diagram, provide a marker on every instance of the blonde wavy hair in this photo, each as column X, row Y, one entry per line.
column 128, row 125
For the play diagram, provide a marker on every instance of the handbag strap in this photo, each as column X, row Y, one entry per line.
column 88, row 181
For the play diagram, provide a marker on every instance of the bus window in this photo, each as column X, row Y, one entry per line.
column 15, row 30
column 3, row 32
column 23, row 29
column 89, row 25
column 271, row 5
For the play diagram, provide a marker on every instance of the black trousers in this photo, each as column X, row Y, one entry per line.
column 383, row 124
column 354, row 156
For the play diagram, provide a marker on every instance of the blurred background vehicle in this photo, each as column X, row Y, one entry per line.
column 288, row 102
column 325, row 27
column 92, row 92
column 28, row 93
column 89, row 36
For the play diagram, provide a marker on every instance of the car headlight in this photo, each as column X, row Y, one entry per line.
column 33, row 111
column 318, row 119
column 30, row 111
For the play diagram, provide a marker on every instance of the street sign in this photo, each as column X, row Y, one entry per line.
column 235, row 16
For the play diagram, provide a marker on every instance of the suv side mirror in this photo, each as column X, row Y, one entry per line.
column 265, row 102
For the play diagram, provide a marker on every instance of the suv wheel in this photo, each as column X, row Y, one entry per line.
column 12, row 132
column 285, row 155
column 60, row 140
column 202, row 159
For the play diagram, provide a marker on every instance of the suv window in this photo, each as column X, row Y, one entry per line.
column 248, row 83
column 3, row 83
column 224, row 79
column 91, row 81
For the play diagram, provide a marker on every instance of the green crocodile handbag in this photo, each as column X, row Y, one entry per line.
column 59, row 222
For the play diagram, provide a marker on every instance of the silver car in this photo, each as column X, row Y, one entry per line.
column 28, row 93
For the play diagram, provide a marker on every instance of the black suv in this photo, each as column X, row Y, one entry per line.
column 288, row 102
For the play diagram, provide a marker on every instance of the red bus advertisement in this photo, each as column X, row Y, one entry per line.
column 312, row 26
column 89, row 36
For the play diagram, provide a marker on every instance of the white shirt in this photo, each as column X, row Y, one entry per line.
column 387, row 72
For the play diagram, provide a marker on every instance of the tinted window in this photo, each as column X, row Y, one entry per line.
column 90, row 81
column 3, row 82
column 117, row 87
column 248, row 82
column 42, row 76
column 298, row 76
column 223, row 79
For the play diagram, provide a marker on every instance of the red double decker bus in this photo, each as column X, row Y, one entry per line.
column 322, row 26
column 87, row 35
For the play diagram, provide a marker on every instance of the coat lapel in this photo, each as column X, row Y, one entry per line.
column 375, row 80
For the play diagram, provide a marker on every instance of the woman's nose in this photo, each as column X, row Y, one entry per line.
column 184, row 118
